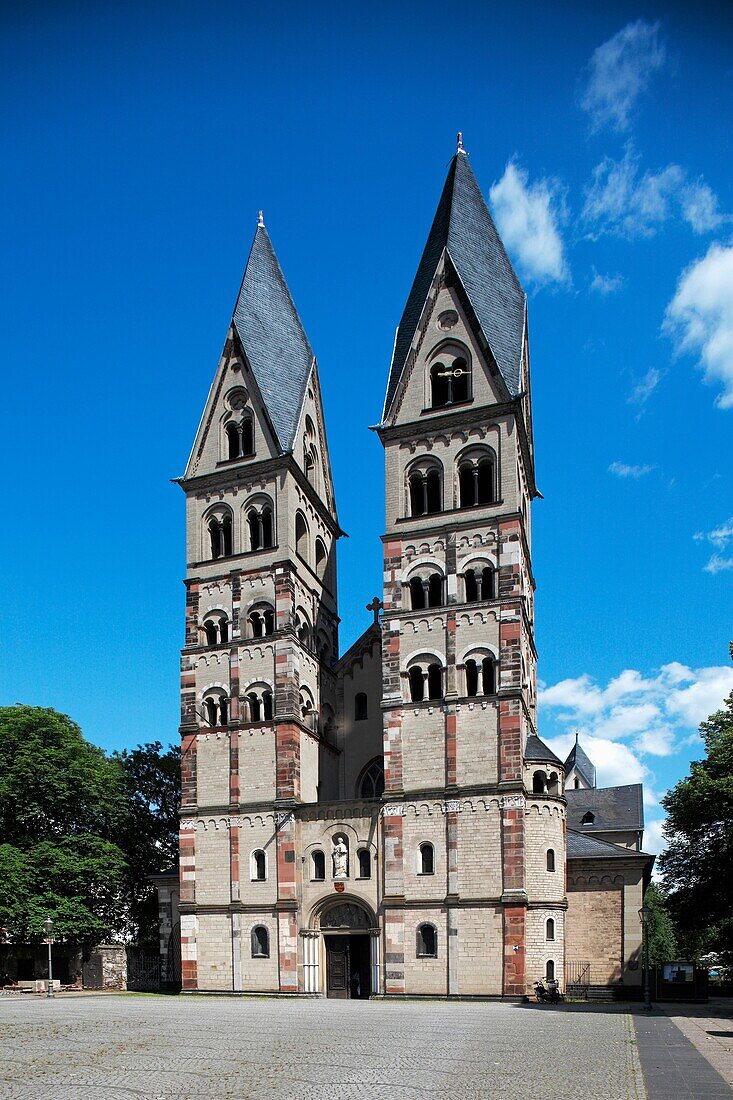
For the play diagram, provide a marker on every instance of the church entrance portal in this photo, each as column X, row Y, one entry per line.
column 347, row 966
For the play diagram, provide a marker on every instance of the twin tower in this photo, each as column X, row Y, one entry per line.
column 383, row 822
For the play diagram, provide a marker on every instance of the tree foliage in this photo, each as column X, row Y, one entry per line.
column 661, row 935
column 80, row 831
column 698, row 863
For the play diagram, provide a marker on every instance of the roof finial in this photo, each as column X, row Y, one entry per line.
column 459, row 145
column 261, row 218
column 576, row 736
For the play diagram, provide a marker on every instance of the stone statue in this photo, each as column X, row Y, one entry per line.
column 340, row 856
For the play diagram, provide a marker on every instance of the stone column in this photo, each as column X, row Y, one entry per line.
column 311, row 954
column 375, row 961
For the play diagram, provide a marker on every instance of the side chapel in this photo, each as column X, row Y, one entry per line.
column 386, row 821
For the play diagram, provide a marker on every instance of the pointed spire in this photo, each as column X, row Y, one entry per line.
column 273, row 337
column 463, row 227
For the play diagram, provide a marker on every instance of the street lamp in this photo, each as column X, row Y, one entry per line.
column 645, row 914
column 48, row 926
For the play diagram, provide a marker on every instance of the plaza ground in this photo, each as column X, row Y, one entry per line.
column 156, row 1048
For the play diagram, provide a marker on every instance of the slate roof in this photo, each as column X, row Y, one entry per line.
column 273, row 338
column 464, row 227
column 577, row 759
column 615, row 808
column 537, row 750
column 581, row 846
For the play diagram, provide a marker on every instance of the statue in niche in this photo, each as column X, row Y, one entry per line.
column 340, row 857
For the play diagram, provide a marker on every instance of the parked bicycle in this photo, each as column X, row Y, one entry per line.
column 549, row 994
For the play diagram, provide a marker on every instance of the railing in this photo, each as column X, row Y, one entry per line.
column 577, row 978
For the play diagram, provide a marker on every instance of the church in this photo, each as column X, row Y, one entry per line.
column 384, row 822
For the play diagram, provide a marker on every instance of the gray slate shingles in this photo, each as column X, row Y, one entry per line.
column 579, row 760
column 613, row 807
column 273, row 338
column 537, row 750
column 463, row 226
column 582, row 846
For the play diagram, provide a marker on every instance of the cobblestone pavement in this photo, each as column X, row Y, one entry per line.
column 190, row 1047
column 710, row 1028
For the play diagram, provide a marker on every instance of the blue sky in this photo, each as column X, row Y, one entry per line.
column 140, row 141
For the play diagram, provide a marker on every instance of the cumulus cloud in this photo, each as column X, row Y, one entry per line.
column 644, row 388
column 717, row 564
column 619, row 71
column 623, row 469
column 654, row 838
column 625, row 201
column 634, row 717
column 699, row 319
column 606, row 284
column 720, row 537
column 528, row 216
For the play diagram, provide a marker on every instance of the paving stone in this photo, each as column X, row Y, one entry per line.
column 159, row 1048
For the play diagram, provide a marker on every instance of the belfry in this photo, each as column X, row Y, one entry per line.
column 387, row 821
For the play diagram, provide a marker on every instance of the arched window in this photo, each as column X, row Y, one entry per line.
column 549, row 929
column 435, row 681
column 480, row 670
column 259, row 703
column 426, row 490
column 488, row 676
column 417, row 684
column 539, row 783
column 365, row 863
column 215, row 705
column 308, row 713
column 219, row 527
column 550, row 859
column 427, row 859
column 476, row 479
column 479, row 583
column 449, row 380
column 258, row 872
column 550, row 970
column 427, row 942
column 233, row 440
column 239, row 438
column 260, row 942
column 216, row 628
column 360, row 706
column 318, row 865
column 553, row 787
column 371, row 781
column 261, row 619
column 321, row 559
column 260, row 527
column 303, row 629
column 301, row 536
column 471, row 678
column 426, row 591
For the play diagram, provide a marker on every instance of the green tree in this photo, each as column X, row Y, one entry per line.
column 61, row 802
column 698, row 864
column 661, row 934
column 149, row 832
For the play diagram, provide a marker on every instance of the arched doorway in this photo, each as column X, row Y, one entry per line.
column 350, row 951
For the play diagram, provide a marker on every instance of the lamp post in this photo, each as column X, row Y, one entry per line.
column 48, row 926
column 645, row 914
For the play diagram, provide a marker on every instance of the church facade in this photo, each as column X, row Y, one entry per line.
column 386, row 822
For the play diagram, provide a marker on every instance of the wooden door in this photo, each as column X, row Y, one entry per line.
column 337, row 966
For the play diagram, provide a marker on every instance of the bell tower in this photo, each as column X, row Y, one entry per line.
column 258, row 682
column 459, row 657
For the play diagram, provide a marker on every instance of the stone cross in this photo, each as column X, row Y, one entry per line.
column 375, row 607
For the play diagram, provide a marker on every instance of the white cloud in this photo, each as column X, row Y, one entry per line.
column 699, row 318
column 624, row 201
column 700, row 207
column 528, row 216
column 645, row 387
column 654, row 840
column 634, row 717
column 606, row 284
column 622, row 469
column 717, row 564
column 619, row 71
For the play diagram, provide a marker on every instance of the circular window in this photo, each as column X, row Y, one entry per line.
column 237, row 399
column 448, row 319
